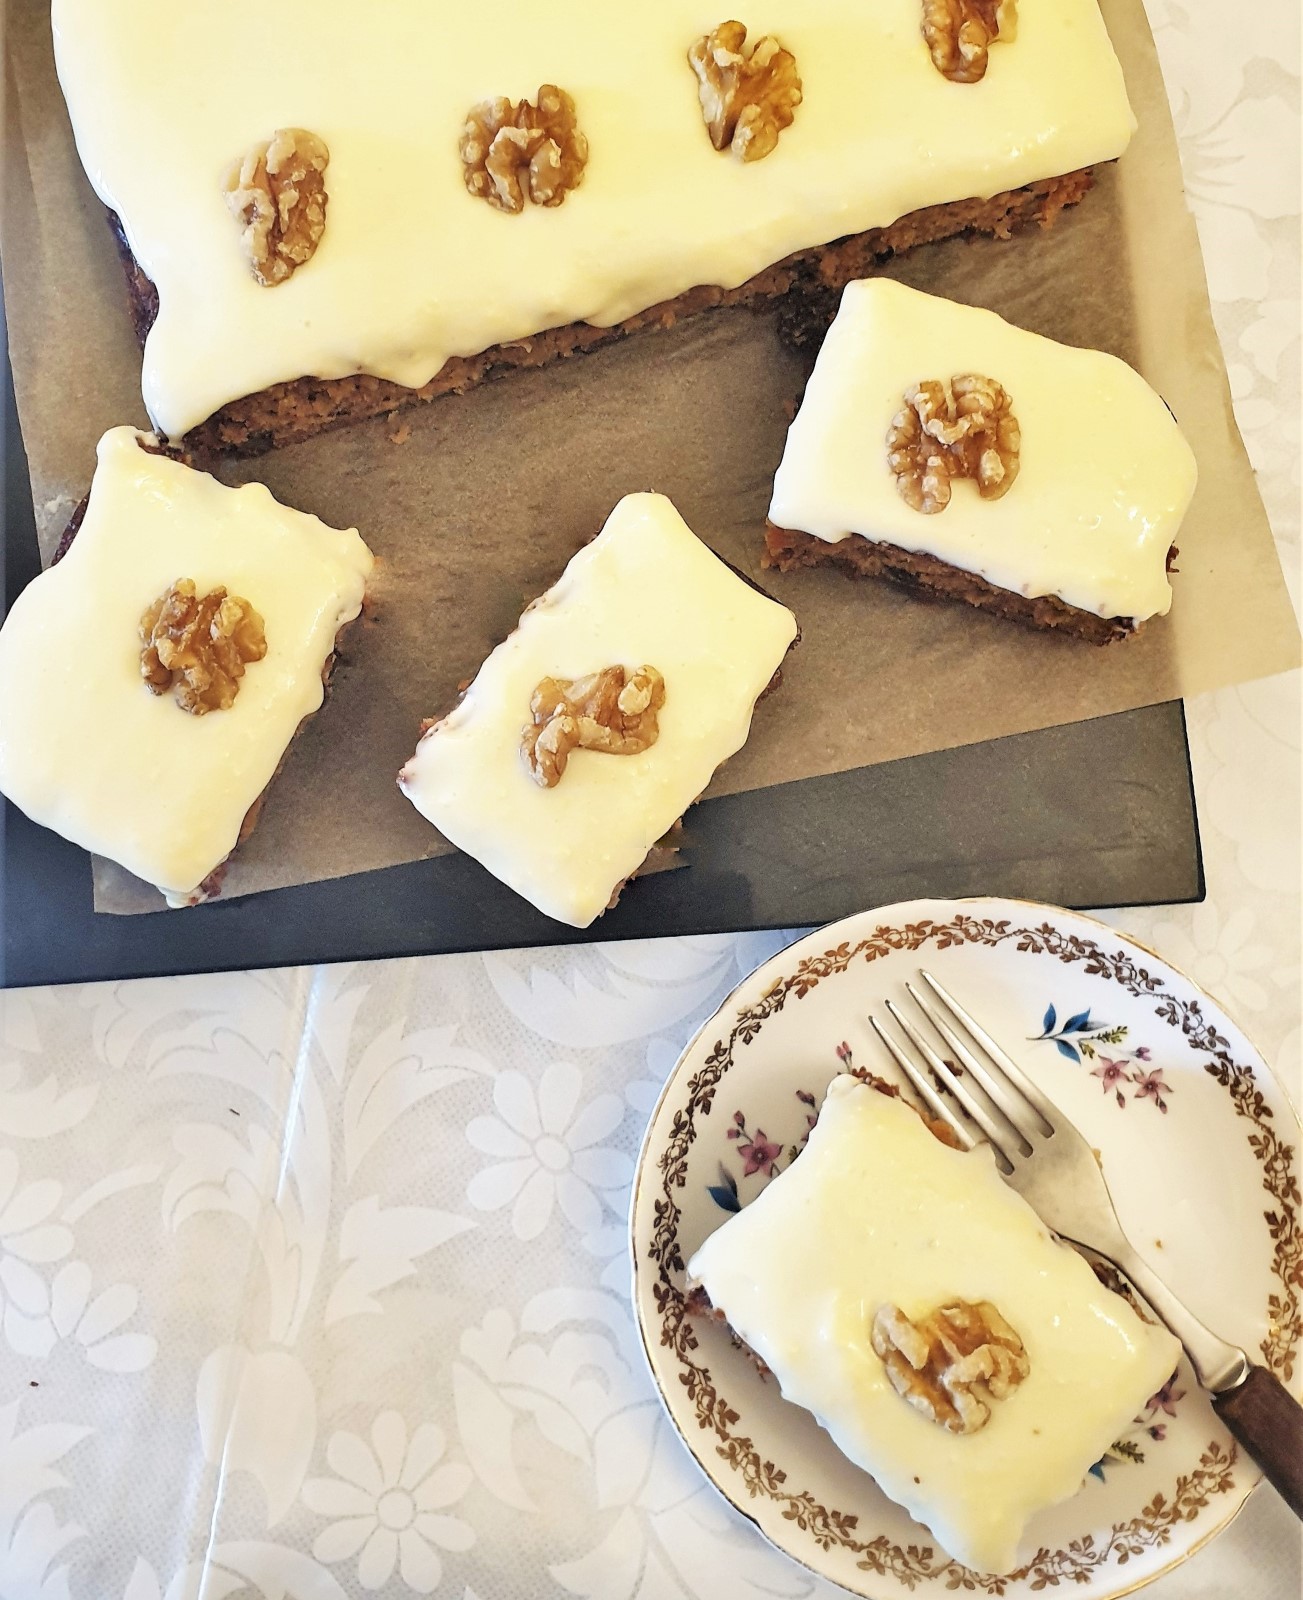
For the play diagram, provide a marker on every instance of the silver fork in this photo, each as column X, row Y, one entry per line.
column 1042, row 1155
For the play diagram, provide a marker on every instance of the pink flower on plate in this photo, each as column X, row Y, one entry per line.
column 1150, row 1086
column 760, row 1154
column 1111, row 1073
column 1166, row 1398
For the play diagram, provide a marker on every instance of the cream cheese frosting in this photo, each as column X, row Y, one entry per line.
column 1105, row 474
column 645, row 591
column 85, row 748
column 878, row 1211
column 412, row 269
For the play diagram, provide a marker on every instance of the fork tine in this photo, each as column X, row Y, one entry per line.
column 921, row 1084
column 1021, row 1117
column 1008, row 1069
column 997, row 1135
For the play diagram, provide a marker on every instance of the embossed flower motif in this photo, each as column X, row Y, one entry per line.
column 549, row 1152
column 1221, row 954
column 389, row 1498
column 25, row 1228
column 1225, row 114
column 94, row 1323
column 27, row 1235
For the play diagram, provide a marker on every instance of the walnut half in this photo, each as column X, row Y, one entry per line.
column 953, row 1363
column 609, row 711
column 959, row 33
column 199, row 646
column 970, row 433
column 277, row 190
column 747, row 97
column 513, row 150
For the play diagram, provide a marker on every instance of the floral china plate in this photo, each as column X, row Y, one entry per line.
column 1199, row 1145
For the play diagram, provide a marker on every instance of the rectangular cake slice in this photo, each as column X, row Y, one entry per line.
column 591, row 729
column 899, row 1290
column 941, row 446
column 342, row 219
column 152, row 679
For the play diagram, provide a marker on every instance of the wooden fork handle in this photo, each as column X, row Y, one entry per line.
column 1268, row 1422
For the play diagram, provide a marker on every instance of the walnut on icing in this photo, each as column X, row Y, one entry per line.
column 970, row 433
column 953, row 1363
column 512, row 150
column 277, row 191
column 747, row 97
column 609, row 711
column 959, row 34
column 198, row 646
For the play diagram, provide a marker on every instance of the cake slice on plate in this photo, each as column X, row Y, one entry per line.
column 152, row 679
column 587, row 733
column 901, row 1291
column 972, row 460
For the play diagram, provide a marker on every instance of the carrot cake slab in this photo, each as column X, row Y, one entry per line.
column 365, row 205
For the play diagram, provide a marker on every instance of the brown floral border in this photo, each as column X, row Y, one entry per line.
column 829, row 1527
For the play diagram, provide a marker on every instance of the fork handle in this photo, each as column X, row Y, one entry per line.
column 1268, row 1422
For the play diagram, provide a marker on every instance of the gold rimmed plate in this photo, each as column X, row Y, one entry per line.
column 1200, row 1147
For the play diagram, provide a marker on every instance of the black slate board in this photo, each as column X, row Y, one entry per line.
column 1097, row 813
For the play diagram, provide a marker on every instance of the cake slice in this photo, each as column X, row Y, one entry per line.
column 972, row 460
column 152, row 679
column 903, row 1293
column 589, row 731
column 386, row 213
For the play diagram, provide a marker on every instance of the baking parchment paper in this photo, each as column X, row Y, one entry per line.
column 474, row 503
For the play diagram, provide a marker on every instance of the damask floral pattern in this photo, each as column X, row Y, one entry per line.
column 391, row 1497
column 548, row 1151
column 299, row 1146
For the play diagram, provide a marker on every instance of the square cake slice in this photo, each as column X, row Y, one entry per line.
column 590, row 731
column 900, row 1291
column 941, row 446
column 152, row 679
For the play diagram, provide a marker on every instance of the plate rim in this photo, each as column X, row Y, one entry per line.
column 889, row 912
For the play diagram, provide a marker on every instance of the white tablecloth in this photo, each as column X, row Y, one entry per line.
column 314, row 1281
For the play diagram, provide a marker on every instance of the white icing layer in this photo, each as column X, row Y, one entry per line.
column 413, row 270
column 645, row 591
column 85, row 747
column 877, row 1210
column 1105, row 477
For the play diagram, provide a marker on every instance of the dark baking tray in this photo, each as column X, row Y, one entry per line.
column 1098, row 813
